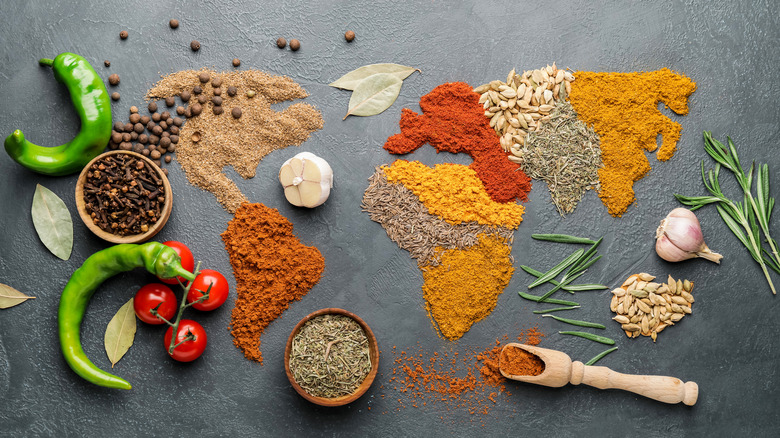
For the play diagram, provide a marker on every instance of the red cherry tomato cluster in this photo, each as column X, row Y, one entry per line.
column 156, row 304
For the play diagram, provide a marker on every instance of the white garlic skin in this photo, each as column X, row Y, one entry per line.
column 679, row 238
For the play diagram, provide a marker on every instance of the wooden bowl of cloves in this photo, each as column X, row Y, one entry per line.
column 123, row 197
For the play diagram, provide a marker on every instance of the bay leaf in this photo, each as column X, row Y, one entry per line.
column 52, row 222
column 10, row 297
column 120, row 333
column 350, row 80
column 374, row 94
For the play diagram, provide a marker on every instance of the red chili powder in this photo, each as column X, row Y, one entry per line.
column 519, row 362
column 454, row 121
column 467, row 380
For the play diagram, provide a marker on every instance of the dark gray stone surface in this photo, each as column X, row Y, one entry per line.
column 729, row 345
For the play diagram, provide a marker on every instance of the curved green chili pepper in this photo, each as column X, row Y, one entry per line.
column 90, row 99
column 157, row 258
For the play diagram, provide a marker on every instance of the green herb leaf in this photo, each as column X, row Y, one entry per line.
column 374, row 94
column 556, row 309
column 563, row 238
column 552, row 273
column 599, row 356
column 52, row 222
column 120, row 333
column 351, row 80
column 10, row 297
column 590, row 336
column 549, row 300
column 577, row 322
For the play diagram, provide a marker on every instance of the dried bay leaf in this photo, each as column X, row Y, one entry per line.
column 374, row 94
column 10, row 297
column 351, row 80
column 52, row 222
column 120, row 333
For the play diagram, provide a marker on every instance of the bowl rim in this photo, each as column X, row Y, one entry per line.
column 373, row 349
column 110, row 237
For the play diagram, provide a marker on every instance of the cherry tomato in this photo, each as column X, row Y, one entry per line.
column 191, row 349
column 217, row 295
column 148, row 297
column 187, row 261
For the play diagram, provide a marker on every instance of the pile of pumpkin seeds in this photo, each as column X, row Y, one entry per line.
column 646, row 308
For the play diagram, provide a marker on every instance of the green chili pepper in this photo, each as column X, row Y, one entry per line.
column 157, row 258
column 90, row 99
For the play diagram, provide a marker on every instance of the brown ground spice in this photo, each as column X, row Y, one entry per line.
column 519, row 362
column 243, row 142
column 468, row 380
column 272, row 269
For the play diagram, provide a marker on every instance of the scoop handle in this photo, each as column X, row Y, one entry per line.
column 662, row 388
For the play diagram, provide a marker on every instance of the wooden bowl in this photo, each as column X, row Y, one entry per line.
column 373, row 349
column 115, row 238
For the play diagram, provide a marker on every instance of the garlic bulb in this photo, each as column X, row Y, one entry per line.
column 307, row 180
column 679, row 238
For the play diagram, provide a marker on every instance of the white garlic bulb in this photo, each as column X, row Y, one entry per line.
column 307, row 180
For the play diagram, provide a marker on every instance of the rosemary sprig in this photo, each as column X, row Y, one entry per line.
column 743, row 218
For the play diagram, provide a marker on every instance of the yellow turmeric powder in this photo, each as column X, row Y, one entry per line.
column 623, row 109
column 465, row 287
column 454, row 192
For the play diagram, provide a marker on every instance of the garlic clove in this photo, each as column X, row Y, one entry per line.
column 679, row 237
column 307, row 180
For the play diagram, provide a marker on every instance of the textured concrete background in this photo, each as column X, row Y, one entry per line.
column 729, row 345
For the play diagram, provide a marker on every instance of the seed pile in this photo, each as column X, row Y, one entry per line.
column 565, row 154
column 523, row 103
column 330, row 357
column 408, row 222
column 250, row 131
column 155, row 135
column 646, row 308
column 123, row 194
column 468, row 379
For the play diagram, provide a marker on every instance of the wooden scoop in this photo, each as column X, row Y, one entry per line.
column 560, row 370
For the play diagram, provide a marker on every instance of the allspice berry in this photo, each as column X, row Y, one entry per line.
column 236, row 112
column 195, row 45
column 281, row 43
column 115, row 96
column 196, row 109
column 113, row 79
column 123, row 34
column 236, row 62
column 174, row 23
column 217, row 110
column 203, row 77
column 134, row 110
column 349, row 36
column 295, row 45
column 107, row 63
column 152, row 106
column 231, row 91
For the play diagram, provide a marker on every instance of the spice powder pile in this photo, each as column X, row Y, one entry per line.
column 210, row 142
column 272, row 268
column 469, row 379
column 461, row 241
column 453, row 120
column 623, row 109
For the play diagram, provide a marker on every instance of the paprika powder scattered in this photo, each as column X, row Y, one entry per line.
column 272, row 268
column 454, row 121
column 623, row 109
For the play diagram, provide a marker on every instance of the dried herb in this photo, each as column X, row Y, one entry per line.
column 10, row 297
column 124, row 194
column 374, row 94
column 350, row 80
column 330, row 356
column 120, row 333
column 565, row 154
column 52, row 222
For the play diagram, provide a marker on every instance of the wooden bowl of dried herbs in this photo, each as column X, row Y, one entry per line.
column 123, row 197
column 331, row 357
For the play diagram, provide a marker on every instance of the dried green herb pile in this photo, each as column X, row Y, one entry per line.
column 565, row 154
column 330, row 356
